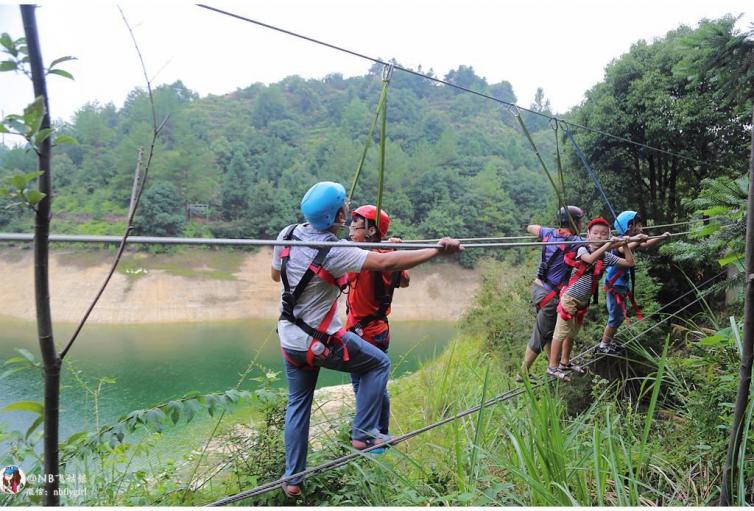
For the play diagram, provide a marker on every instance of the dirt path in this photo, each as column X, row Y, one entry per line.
column 437, row 291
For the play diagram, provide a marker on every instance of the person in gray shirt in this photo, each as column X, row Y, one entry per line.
column 311, row 334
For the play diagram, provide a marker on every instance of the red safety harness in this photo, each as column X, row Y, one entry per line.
column 610, row 288
column 290, row 298
column 544, row 267
column 595, row 269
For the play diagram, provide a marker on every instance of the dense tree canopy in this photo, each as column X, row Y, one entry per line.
column 452, row 161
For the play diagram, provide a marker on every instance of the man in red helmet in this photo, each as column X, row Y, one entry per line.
column 371, row 294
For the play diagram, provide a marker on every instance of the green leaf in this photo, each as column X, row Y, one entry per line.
column 65, row 139
column 34, row 197
column 8, row 65
column 7, row 41
column 26, row 353
column 24, row 406
column 76, row 437
column 33, row 115
column 61, row 59
column 31, row 176
column 733, row 258
column 15, row 360
column 18, row 182
column 3, row 129
column 175, row 408
column 60, row 72
column 42, row 135
column 34, row 425
column 715, row 211
column 11, row 371
column 714, row 340
column 190, row 408
column 708, row 229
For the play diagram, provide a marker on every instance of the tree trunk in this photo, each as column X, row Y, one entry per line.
column 41, row 274
column 673, row 198
column 653, row 186
column 747, row 357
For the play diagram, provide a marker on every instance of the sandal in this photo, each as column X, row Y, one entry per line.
column 572, row 367
column 558, row 373
column 292, row 491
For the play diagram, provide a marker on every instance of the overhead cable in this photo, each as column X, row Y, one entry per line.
column 449, row 84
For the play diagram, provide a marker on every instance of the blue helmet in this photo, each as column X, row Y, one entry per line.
column 625, row 218
column 321, row 204
column 10, row 470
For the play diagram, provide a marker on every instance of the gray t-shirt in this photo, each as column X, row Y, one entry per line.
column 581, row 290
column 318, row 296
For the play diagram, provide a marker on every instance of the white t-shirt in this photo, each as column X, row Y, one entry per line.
column 318, row 297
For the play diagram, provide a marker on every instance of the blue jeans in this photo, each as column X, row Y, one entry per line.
column 382, row 341
column 615, row 314
column 372, row 366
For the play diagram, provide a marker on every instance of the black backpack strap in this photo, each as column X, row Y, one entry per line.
column 290, row 298
column 382, row 296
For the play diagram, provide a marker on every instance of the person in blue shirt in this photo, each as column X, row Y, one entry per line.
column 552, row 274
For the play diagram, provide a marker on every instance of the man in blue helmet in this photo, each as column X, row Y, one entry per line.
column 620, row 282
column 311, row 334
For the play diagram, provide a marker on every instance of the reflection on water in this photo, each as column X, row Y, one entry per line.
column 155, row 363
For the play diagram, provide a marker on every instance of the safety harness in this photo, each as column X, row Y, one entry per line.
column 383, row 296
column 544, row 269
column 290, row 299
column 582, row 268
column 610, row 288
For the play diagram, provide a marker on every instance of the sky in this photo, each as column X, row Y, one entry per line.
column 561, row 46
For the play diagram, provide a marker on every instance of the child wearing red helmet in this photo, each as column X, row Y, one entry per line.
column 371, row 293
column 589, row 262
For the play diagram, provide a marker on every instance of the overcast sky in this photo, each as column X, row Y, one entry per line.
column 560, row 45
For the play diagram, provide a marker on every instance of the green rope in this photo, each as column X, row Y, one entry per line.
column 560, row 165
column 380, row 106
column 562, row 179
column 539, row 157
column 383, row 130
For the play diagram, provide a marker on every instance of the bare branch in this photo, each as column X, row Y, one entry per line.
column 136, row 192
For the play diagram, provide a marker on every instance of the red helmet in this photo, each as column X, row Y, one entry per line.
column 598, row 221
column 370, row 213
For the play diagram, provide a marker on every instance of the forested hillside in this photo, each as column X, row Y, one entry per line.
column 455, row 163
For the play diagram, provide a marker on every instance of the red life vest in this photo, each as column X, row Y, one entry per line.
column 610, row 288
column 369, row 301
column 290, row 298
column 594, row 268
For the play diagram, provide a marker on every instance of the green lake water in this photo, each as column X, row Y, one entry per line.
column 155, row 363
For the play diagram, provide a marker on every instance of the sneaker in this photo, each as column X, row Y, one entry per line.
column 366, row 443
column 610, row 349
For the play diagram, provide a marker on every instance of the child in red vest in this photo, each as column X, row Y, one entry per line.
column 589, row 264
column 371, row 294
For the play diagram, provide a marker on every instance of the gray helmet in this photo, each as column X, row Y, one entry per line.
column 575, row 213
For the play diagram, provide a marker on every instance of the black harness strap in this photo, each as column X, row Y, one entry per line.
column 290, row 298
column 382, row 296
